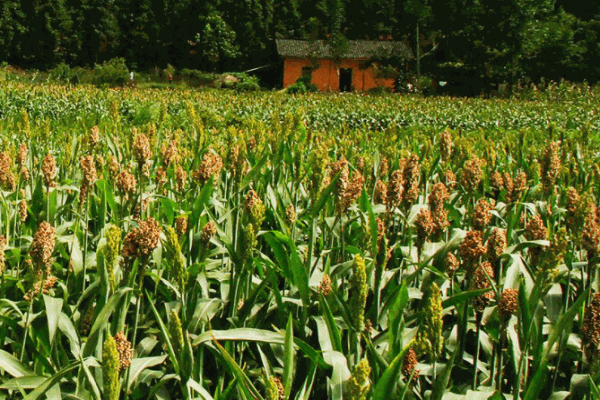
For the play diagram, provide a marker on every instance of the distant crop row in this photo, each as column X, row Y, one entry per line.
column 561, row 107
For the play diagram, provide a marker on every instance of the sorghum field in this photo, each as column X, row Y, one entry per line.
column 184, row 244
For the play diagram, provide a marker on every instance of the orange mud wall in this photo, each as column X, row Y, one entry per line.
column 327, row 77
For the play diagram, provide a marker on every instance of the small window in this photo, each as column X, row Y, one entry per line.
column 307, row 71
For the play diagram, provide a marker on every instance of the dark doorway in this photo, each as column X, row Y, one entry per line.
column 345, row 79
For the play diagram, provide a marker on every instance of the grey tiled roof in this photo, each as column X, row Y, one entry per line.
column 356, row 49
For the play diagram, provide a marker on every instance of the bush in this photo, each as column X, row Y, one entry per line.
column 377, row 90
column 63, row 73
column 306, row 80
column 298, row 87
column 246, row 83
column 302, row 85
column 197, row 78
column 113, row 73
column 426, row 86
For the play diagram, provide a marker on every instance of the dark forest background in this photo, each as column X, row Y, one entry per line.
column 497, row 40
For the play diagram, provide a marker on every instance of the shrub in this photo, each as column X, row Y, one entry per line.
column 197, row 78
column 426, row 86
column 63, row 73
column 298, row 87
column 306, row 80
column 302, row 85
column 246, row 83
column 168, row 73
column 377, row 90
column 112, row 73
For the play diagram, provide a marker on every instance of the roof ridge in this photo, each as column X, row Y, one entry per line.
column 297, row 48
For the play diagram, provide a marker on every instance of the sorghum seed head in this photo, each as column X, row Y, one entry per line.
column 471, row 174
column 86, row 321
column 94, row 137
column 471, row 248
column 180, row 177
column 208, row 231
column 572, row 204
column 409, row 366
column 450, row 179
column 550, row 166
column 113, row 167
column 126, row 182
column 181, row 225
column 480, row 281
column 380, row 193
column 275, row 389
column 49, row 170
column 437, row 199
column 111, row 252
column 169, row 152
column 482, row 214
column 590, row 328
column 451, row 263
column 110, row 368
column 395, row 190
column 176, row 331
column 124, row 349
column 353, row 190
column 22, row 157
column 141, row 149
column 590, row 237
column 358, row 384
column 290, row 214
column 446, row 144
column 496, row 245
column 536, row 229
column 210, row 166
column 325, row 285
column 89, row 175
column 42, row 246
column 496, row 181
column 359, row 292
column 360, row 164
column 255, row 209
column 424, row 225
column 335, row 168
column 508, row 304
column 383, row 167
column 412, row 173
column 514, row 190
column 23, row 210
column 141, row 241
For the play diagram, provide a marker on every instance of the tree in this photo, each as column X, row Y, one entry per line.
column 218, row 42
column 12, row 29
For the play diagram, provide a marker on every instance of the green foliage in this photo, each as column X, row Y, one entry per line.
column 197, row 78
column 218, row 40
column 62, row 73
column 111, row 252
column 247, row 83
column 379, row 90
column 221, row 288
column 302, row 85
column 112, row 73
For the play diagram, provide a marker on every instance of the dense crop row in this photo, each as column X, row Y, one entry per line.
column 211, row 245
column 560, row 106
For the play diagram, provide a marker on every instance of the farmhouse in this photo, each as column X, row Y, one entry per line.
column 331, row 70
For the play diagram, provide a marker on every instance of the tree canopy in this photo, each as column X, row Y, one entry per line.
column 499, row 40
